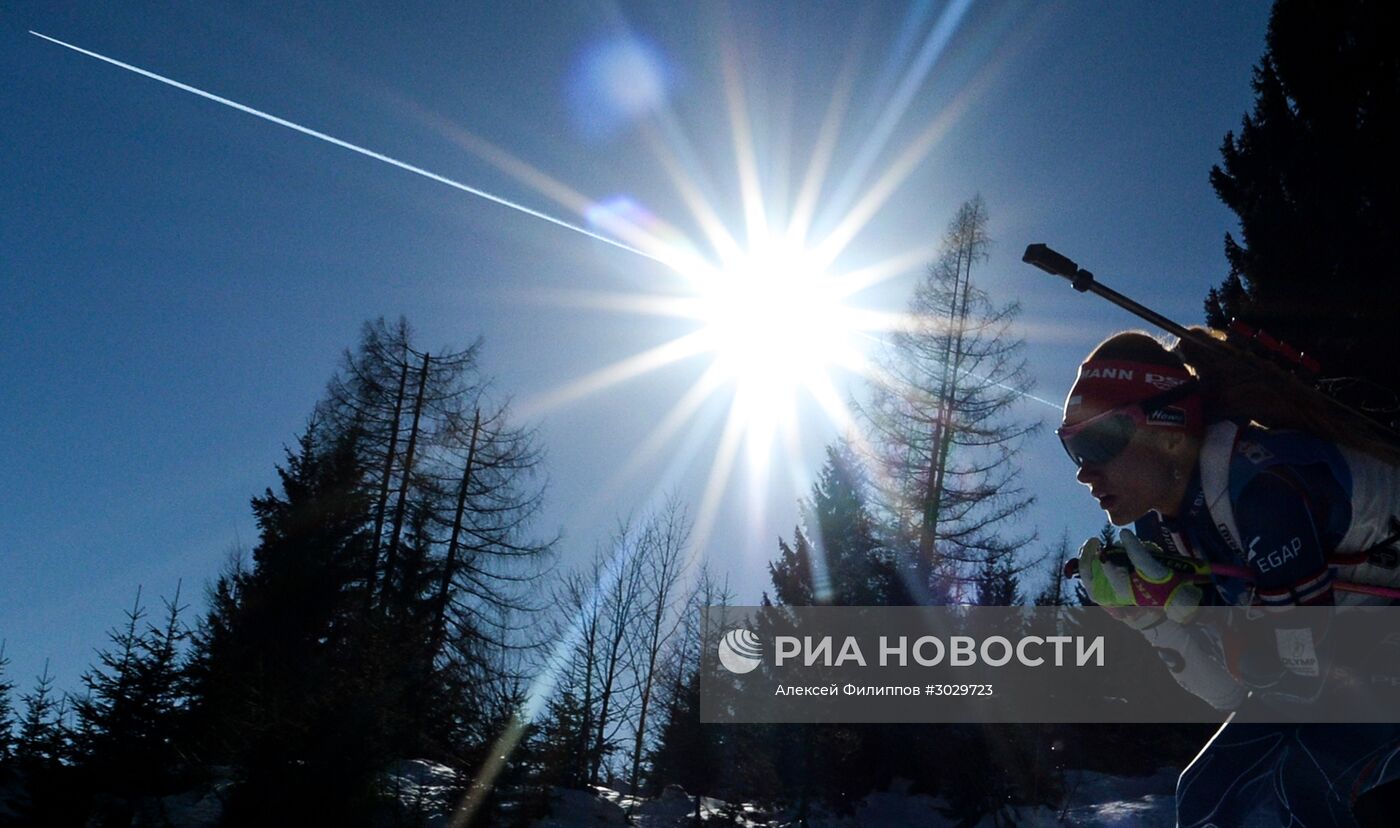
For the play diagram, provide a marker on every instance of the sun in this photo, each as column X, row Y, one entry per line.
column 776, row 326
column 765, row 286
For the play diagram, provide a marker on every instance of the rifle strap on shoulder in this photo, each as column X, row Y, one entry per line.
column 1217, row 450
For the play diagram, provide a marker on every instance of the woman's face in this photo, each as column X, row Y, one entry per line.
column 1140, row 478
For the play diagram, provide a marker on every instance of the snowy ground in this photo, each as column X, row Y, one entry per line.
column 423, row 787
column 1096, row 801
column 1142, row 802
column 427, row 789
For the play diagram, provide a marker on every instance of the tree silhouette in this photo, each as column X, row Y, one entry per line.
column 1315, row 180
column 663, row 549
column 129, row 722
column 41, row 744
column 701, row 758
column 7, row 711
column 1058, row 592
column 288, row 677
column 381, row 613
column 941, row 425
column 836, row 557
column 998, row 582
column 688, row 753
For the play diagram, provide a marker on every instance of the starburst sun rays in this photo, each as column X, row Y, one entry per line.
column 768, row 306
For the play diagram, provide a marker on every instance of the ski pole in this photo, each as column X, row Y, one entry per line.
column 1203, row 571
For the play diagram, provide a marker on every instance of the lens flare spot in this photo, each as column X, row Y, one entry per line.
column 623, row 216
column 615, row 82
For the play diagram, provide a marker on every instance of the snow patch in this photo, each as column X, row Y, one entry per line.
column 573, row 809
column 425, row 788
column 1096, row 801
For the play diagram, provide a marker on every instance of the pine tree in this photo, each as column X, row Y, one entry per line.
column 940, row 417
column 998, row 582
column 373, row 619
column 7, row 711
column 1315, row 180
column 108, row 712
column 290, row 681
column 564, row 726
column 836, row 558
column 128, row 734
column 688, row 753
column 49, row 791
column 162, row 675
column 41, row 739
column 791, row 573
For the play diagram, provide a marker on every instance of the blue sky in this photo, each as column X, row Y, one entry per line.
column 180, row 278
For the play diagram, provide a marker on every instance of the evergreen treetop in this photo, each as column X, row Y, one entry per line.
column 7, row 710
column 1314, row 178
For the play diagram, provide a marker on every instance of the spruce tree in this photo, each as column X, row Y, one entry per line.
column 164, row 680
column 999, row 583
column 128, row 735
column 49, row 790
column 40, row 745
column 290, row 682
column 688, row 753
column 836, row 558
column 108, row 713
column 368, row 625
column 7, row 711
column 1315, row 180
column 791, row 573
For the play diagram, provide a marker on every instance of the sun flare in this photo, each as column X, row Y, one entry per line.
column 765, row 292
column 775, row 325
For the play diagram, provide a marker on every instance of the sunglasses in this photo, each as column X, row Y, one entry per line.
column 1103, row 436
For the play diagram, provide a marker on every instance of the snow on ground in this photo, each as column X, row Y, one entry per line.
column 423, row 787
column 1095, row 801
column 581, row 808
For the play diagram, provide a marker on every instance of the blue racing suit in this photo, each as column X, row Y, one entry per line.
column 1300, row 511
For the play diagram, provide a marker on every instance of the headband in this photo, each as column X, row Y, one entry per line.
column 1110, row 383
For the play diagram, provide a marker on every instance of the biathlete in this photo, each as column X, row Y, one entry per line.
column 1159, row 440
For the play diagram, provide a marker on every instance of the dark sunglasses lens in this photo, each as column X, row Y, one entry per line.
column 1100, row 443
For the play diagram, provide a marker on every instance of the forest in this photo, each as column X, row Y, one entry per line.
column 403, row 602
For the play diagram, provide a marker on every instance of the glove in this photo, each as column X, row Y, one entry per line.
column 1143, row 582
column 1194, row 656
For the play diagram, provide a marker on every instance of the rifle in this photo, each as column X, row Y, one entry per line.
column 1256, row 349
column 1253, row 348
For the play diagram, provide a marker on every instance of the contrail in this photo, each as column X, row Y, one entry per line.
column 379, row 156
column 331, row 139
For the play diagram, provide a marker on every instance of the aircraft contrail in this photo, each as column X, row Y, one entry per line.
column 379, row 156
column 331, row 139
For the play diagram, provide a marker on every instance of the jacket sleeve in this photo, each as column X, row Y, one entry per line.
column 1196, row 660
